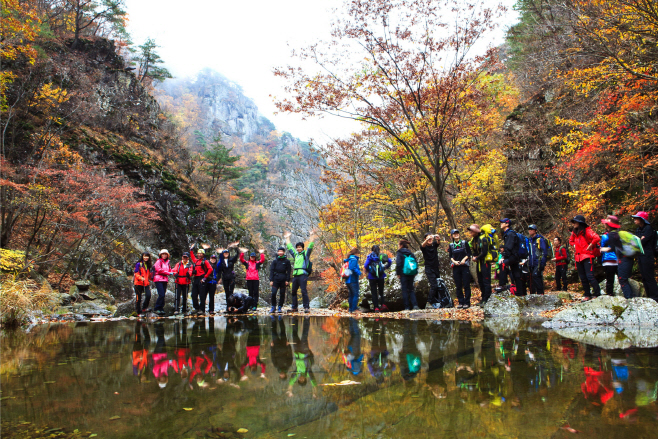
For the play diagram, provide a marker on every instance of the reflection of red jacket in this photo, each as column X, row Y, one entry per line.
column 594, row 389
column 252, row 359
column 582, row 240
column 201, row 365
column 252, row 266
column 181, row 359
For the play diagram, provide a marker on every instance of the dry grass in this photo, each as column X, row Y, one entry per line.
column 19, row 298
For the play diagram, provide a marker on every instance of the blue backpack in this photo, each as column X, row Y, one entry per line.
column 524, row 245
column 410, row 267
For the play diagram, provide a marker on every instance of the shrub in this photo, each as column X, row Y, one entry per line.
column 20, row 298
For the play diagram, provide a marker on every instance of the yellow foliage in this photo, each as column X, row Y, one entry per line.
column 19, row 298
column 11, row 261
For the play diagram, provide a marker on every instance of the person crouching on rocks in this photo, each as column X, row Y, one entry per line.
column 460, row 255
column 239, row 303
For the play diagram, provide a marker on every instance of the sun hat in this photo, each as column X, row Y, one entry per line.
column 612, row 221
column 474, row 228
column 164, row 250
column 642, row 215
column 579, row 219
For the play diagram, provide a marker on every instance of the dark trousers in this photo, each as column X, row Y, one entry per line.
column 252, row 286
column 161, row 288
column 647, row 265
column 229, row 286
column 181, row 297
column 377, row 291
column 610, row 273
column 561, row 277
column 139, row 290
column 502, row 277
column 516, row 278
column 432, row 274
column 462, row 277
column 624, row 271
column 353, row 299
column 211, row 289
column 198, row 292
column 299, row 282
column 587, row 279
column 484, row 279
column 408, row 293
column 280, row 287
column 537, row 279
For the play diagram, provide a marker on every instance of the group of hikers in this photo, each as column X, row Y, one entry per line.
column 512, row 255
column 200, row 274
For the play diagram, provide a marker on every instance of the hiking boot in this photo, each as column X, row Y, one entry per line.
column 436, row 305
column 293, row 309
column 272, row 310
column 376, row 309
column 279, row 310
column 416, row 307
column 466, row 306
column 306, row 310
column 384, row 308
column 147, row 310
column 175, row 312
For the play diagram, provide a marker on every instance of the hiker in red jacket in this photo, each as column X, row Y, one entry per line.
column 142, row 281
column 561, row 260
column 252, row 266
column 201, row 273
column 183, row 278
column 585, row 241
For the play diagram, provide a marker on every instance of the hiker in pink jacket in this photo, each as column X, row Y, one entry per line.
column 252, row 266
column 161, row 278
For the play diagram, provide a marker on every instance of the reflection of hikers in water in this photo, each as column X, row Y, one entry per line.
column 352, row 356
column 227, row 354
column 303, row 358
column 253, row 350
column 442, row 351
column 160, row 357
column 378, row 363
column 467, row 366
column 181, row 362
column 201, row 362
column 281, row 350
column 141, row 350
column 410, row 357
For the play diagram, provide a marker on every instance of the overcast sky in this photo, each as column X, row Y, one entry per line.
column 243, row 40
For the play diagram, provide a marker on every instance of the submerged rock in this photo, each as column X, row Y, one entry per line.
column 612, row 337
column 608, row 310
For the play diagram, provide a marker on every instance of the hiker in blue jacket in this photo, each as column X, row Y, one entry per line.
column 537, row 258
column 376, row 265
column 352, row 281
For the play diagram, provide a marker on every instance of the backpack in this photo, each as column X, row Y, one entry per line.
column 655, row 249
column 566, row 247
column 523, row 245
column 376, row 268
column 493, row 241
column 549, row 247
column 410, row 267
column 309, row 267
column 630, row 243
column 345, row 271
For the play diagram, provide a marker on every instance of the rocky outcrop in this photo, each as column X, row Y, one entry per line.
column 637, row 287
column 608, row 311
column 505, row 305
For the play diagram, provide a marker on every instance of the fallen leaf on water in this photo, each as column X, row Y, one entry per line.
column 242, row 430
column 49, row 382
column 93, row 435
column 114, row 418
column 116, row 393
column 291, row 434
column 569, row 429
column 188, row 409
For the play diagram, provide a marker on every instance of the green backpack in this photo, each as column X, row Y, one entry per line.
column 410, row 267
column 630, row 244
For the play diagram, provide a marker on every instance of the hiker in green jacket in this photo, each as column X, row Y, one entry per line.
column 301, row 269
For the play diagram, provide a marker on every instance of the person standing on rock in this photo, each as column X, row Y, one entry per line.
column 376, row 265
column 460, row 257
column 561, row 260
column 160, row 279
column 647, row 260
column 585, row 242
column 142, row 282
column 252, row 266
column 211, row 286
column 609, row 258
column 626, row 262
column 201, row 273
column 280, row 273
column 405, row 259
column 430, row 250
column 510, row 254
column 537, row 259
column 301, row 270
column 182, row 278
column 481, row 245
column 227, row 268
column 352, row 282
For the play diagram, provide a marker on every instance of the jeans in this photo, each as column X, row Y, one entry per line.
column 586, row 275
column 462, row 277
column 139, row 290
column 252, row 286
column 647, row 270
column 377, row 291
column 198, row 291
column 211, row 289
column 610, row 273
column 537, row 276
column 408, row 293
column 624, row 271
column 561, row 277
column 181, row 297
column 279, row 286
column 161, row 287
column 484, row 279
column 353, row 300
column 299, row 282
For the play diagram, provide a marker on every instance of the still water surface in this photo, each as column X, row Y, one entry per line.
column 277, row 377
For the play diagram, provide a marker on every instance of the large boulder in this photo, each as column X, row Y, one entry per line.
column 93, row 308
column 637, row 287
column 608, row 310
column 505, row 304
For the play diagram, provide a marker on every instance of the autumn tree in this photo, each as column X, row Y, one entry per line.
column 218, row 163
column 148, row 62
column 409, row 69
